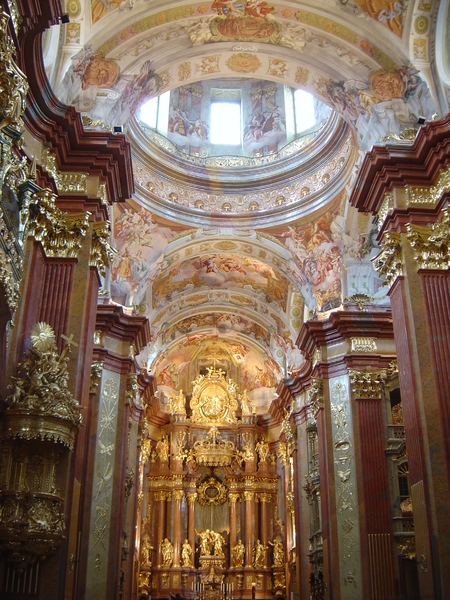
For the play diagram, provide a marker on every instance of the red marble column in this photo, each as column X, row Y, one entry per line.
column 264, row 501
column 249, row 498
column 232, row 502
column 191, row 497
column 373, row 494
column 177, row 496
column 160, row 499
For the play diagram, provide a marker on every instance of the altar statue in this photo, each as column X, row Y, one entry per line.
column 259, row 554
column 162, row 447
column 186, row 553
column 167, row 552
column 237, row 554
column 217, row 541
column 204, row 543
column 278, row 553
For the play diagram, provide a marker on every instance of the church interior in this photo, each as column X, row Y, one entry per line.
column 224, row 300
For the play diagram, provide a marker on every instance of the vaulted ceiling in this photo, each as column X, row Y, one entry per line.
column 227, row 261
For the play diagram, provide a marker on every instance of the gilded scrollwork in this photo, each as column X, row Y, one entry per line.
column 431, row 194
column 65, row 182
column 59, row 232
column 13, row 84
column 359, row 299
column 389, row 260
column 96, row 374
column 315, row 395
column 430, row 244
column 102, row 252
column 212, row 491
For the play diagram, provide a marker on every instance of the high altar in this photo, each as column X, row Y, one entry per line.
column 213, row 526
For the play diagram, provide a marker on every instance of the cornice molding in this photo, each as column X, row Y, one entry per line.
column 114, row 322
column 342, row 325
column 397, row 165
column 59, row 126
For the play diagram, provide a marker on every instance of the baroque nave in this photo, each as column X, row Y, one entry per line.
column 224, row 300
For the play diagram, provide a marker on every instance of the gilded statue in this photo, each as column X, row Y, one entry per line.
column 262, row 448
column 186, row 554
column 237, row 554
column 162, row 447
column 204, row 543
column 217, row 541
column 259, row 554
column 278, row 553
column 146, row 549
column 178, row 403
column 167, row 552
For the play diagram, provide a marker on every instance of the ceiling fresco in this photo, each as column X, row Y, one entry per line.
column 227, row 259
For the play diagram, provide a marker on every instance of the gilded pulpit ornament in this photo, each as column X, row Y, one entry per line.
column 389, row 261
column 431, row 244
column 41, row 405
column 213, row 398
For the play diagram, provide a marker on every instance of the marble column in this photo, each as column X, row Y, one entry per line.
column 191, row 497
column 160, row 498
column 265, row 501
column 233, row 498
column 249, row 498
column 177, row 496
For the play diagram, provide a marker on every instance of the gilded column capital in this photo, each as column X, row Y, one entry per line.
column 191, row 497
column 265, row 497
column 248, row 495
column 389, row 260
column 161, row 496
column 430, row 244
column 387, row 206
column 60, row 233
column 101, row 250
column 178, row 494
column 315, row 395
column 233, row 497
column 367, row 383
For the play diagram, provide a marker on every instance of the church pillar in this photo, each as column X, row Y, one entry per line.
column 409, row 195
column 373, row 477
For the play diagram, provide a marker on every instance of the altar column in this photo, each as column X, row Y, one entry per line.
column 191, row 498
column 160, row 501
column 264, row 533
column 249, row 498
column 177, row 496
column 232, row 502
